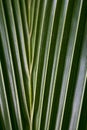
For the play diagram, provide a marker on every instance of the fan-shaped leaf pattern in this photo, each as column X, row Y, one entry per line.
column 43, row 64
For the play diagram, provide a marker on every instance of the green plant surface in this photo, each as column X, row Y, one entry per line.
column 43, row 64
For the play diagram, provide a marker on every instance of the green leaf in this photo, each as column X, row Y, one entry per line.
column 4, row 111
column 9, row 72
column 43, row 64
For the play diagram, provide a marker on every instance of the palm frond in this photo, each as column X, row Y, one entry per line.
column 43, row 64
